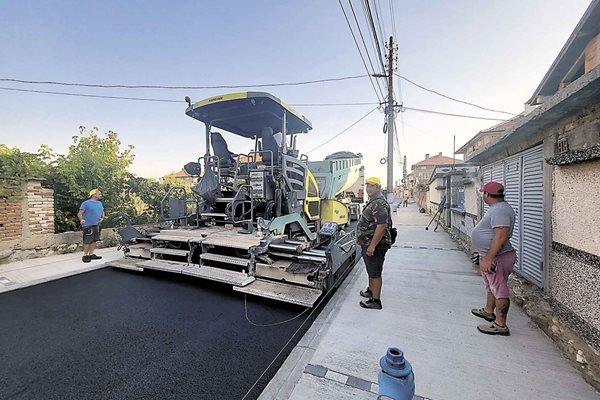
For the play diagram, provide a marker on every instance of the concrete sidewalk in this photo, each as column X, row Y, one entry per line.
column 39, row 270
column 429, row 289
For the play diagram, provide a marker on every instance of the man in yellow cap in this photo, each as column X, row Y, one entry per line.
column 91, row 214
column 373, row 235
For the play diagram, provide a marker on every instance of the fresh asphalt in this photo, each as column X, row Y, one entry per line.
column 114, row 334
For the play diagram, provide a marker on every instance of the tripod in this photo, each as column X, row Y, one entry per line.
column 438, row 214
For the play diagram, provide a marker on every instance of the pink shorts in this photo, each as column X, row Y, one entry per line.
column 497, row 282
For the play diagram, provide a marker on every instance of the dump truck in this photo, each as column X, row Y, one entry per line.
column 266, row 221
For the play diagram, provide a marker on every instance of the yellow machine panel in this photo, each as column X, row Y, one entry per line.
column 334, row 211
column 312, row 200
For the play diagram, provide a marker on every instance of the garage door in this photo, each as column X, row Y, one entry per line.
column 522, row 176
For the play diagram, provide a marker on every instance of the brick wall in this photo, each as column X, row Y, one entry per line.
column 40, row 209
column 11, row 226
column 31, row 215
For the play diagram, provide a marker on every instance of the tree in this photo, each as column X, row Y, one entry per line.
column 17, row 166
column 93, row 161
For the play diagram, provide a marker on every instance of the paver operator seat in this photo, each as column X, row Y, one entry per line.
column 221, row 150
column 269, row 144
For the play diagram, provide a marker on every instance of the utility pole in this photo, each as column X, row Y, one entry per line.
column 390, row 113
column 390, row 119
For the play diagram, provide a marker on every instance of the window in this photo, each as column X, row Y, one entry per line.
column 457, row 192
column 312, row 189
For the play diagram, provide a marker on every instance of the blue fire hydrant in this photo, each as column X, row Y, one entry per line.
column 396, row 379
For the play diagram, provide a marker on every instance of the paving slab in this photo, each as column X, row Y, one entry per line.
column 34, row 271
column 429, row 288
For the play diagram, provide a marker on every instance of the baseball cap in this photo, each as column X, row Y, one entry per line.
column 93, row 192
column 374, row 181
column 493, row 188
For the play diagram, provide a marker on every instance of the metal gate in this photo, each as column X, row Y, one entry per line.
column 522, row 177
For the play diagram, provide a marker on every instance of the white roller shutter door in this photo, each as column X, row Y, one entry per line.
column 522, row 177
column 512, row 189
column 532, row 215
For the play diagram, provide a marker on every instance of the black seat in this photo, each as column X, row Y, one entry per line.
column 269, row 144
column 221, row 150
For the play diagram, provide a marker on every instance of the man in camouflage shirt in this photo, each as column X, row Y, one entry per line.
column 373, row 235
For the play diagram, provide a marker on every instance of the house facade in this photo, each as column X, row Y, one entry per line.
column 549, row 162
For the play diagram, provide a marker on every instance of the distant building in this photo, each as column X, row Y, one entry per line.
column 181, row 177
column 423, row 169
column 485, row 137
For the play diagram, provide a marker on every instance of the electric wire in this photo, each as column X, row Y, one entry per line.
column 372, row 40
column 393, row 18
column 344, row 130
column 374, row 32
column 380, row 24
column 175, row 101
column 273, row 324
column 332, row 104
column 365, row 46
column 292, row 104
column 358, row 48
column 92, row 95
column 104, row 86
column 450, row 114
column 452, row 98
column 284, row 347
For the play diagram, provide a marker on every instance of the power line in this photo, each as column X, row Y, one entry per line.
column 380, row 24
column 372, row 40
column 331, row 104
column 393, row 18
column 452, row 98
column 354, row 123
column 365, row 46
column 358, row 48
column 93, row 95
column 293, row 104
column 104, row 86
column 369, row 15
column 451, row 115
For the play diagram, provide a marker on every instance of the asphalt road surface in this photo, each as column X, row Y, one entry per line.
column 113, row 334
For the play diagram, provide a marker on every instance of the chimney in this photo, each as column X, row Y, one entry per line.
column 440, row 153
column 427, row 156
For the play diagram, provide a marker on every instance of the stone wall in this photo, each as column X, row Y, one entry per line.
column 50, row 244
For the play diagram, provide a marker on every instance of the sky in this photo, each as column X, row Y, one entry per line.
column 491, row 53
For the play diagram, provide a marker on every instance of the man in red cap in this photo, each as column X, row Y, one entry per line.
column 491, row 239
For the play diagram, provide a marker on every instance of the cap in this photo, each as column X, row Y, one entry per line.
column 93, row 192
column 493, row 188
column 374, row 181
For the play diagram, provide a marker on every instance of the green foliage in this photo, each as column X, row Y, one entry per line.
column 17, row 166
column 93, row 161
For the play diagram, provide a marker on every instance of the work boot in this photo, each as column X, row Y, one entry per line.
column 85, row 259
column 366, row 293
column 371, row 303
column 95, row 257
